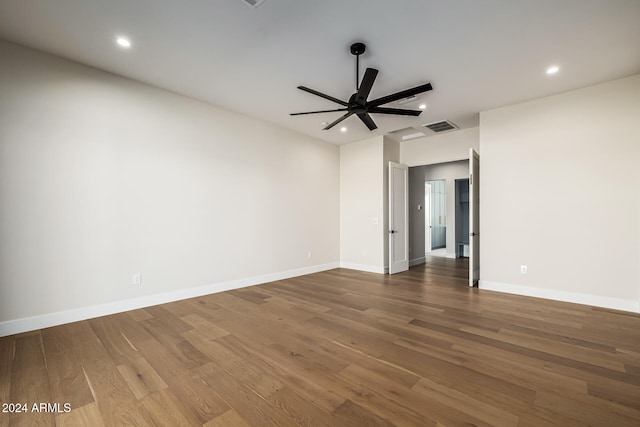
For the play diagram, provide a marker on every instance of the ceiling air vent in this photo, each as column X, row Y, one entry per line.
column 252, row 3
column 441, row 126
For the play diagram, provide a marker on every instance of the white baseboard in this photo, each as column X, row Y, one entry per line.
column 586, row 299
column 363, row 267
column 417, row 261
column 25, row 324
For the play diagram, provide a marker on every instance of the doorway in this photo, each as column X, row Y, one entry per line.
column 439, row 224
column 436, row 217
column 462, row 218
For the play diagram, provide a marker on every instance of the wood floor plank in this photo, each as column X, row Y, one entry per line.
column 251, row 295
column 299, row 409
column 260, row 381
column 139, row 314
column 559, row 348
column 326, row 389
column 30, row 384
column 291, row 312
column 313, row 385
column 474, row 408
column 165, row 320
column 350, row 413
column 64, row 369
column 525, row 350
column 203, row 327
column 295, row 301
column 339, row 347
column 117, row 403
column 245, row 401
column 87, row 415
column 199, row 397
column 591, row 411
column 7, row 349
column 165, row 409
column 181, row 349
column 429, row 366
column 110, row 332
column 369, row 396
column 141, row 378
column 231, row 418
column 519, row 370
column 622, row 393
column 163, row 361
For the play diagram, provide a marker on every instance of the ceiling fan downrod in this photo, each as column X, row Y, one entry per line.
column 358, row 49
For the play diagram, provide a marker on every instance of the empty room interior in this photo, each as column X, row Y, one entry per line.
column 286, row 213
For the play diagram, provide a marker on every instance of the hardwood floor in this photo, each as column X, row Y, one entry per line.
column 335, row 348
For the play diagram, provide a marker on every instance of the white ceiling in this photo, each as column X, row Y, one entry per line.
column 477, row 54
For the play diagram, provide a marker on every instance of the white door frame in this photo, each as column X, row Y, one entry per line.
column 398, row 218
column 427, row 216
column 474, row 218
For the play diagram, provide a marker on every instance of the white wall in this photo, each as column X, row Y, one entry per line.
column 102, row 177
column 361, row 204
column 446, row 147
column 559, row 193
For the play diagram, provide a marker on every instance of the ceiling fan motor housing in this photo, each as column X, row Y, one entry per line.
column 358, row 48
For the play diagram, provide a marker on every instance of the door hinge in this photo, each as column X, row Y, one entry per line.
column 470, row 179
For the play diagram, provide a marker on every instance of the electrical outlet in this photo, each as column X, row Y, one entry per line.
column 374, row 221
column 136, row 279
column 523, row 269
column 309, row 254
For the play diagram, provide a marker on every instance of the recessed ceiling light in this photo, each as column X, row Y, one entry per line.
column 422, row 106
column 343, row 129
column 123, row 41
column 553, row 69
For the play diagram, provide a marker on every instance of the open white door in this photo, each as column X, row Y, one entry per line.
column 398, row 218
column 427, row 218
column 474, row 218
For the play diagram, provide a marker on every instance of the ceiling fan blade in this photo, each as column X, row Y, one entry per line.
column 315, row 112
column 366, row 85
column 322, row 95
column 330, row 125
column 368, row 121
column 398, row 111
column 399, row 95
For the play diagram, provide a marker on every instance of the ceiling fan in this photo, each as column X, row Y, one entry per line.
column 358, row 103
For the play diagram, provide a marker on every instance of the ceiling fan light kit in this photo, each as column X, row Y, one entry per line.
column 358, row 103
